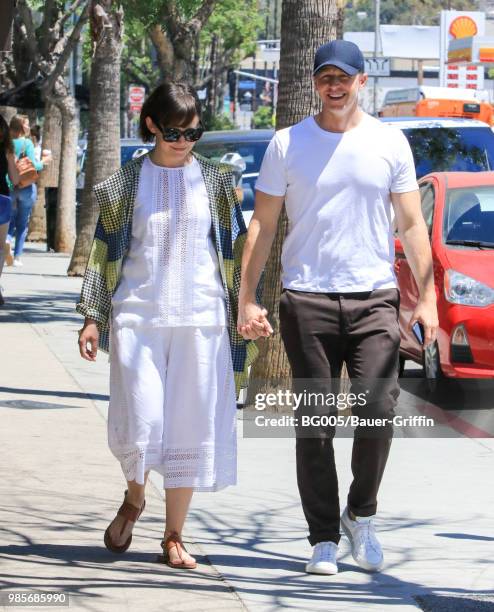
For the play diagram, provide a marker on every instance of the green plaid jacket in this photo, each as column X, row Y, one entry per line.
column 116, row 196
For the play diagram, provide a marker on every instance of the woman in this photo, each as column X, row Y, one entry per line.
column 7, row 169
column 162, row 281
column 23, row 199
column 35, row 136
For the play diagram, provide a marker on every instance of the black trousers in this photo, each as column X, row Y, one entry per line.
column 321, row 331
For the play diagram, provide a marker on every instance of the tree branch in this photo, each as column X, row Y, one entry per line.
column 204, row 82
column 68, row 48
column 68, row 14
column 171, row 17
column 164, row 49
column 203, row 13
column 26, row 18
column 132, row 70
column 45, row 27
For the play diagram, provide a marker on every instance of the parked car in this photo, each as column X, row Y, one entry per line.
column 458, row 208
column 250, row 145
column 445, row 145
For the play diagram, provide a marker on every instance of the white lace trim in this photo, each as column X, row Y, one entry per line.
column 204, row 469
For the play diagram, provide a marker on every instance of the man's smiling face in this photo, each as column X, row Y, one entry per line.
column 337, row 89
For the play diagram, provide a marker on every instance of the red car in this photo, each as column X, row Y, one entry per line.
column 458, row 208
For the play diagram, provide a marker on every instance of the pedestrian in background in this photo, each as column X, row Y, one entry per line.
column 162, row 285
column 340, row 174
column 35, row 135
column 7, row 169
column 23, row 198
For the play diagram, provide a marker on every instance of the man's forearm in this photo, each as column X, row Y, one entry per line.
column 255, row 255
column 417, row 249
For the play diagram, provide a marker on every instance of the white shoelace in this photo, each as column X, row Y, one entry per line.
column 367, row 535
column 325, row 552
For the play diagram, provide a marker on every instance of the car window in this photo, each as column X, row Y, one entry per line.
column 469, row 214
column 469, row 149
column 252, row 152
column 427, row 200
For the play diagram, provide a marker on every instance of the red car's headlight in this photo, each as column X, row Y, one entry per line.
column 462, row 289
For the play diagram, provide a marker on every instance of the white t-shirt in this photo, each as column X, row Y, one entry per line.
column 337, row 195
column 170, row 276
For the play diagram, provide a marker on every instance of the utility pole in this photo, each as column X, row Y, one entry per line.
column 377, row 46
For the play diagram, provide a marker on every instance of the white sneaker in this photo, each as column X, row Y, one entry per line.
column 323, row 559
column 17, row 262
column 366, row 549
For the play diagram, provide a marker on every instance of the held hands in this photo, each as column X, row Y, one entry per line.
column 426, row 313
column 252, row 321
column 88, row 340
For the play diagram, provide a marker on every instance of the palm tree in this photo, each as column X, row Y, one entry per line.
column 305, row 25
column 103, row 151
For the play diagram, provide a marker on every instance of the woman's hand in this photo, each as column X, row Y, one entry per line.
column 88, row 340
column 252, row 321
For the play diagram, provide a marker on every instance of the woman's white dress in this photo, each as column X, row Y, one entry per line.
column 172, row 391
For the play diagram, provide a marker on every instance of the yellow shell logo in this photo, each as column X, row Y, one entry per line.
column 462, row 27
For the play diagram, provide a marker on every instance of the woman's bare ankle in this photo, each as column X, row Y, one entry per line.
column 134, row 500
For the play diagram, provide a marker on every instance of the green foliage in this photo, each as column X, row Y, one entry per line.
column 401, row 12
column 263, row 117
column 217, row 122
column 137, row 65
column 150, row 11
column 237, row 24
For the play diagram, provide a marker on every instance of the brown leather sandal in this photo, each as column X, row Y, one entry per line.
column 130, row 513
column 175, row 541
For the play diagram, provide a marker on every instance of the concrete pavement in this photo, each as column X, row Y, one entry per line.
column 61, row 486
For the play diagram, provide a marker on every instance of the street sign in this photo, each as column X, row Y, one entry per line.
column 136, row 98
column 378, row 66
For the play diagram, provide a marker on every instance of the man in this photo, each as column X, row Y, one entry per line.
column 340, row 174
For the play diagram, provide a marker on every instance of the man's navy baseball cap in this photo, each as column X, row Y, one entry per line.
column 343, row 54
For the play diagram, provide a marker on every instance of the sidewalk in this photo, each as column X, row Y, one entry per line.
column 61, row 486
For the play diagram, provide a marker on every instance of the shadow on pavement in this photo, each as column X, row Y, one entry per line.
column 50, row 393
column 41, row 307
column 283, row 576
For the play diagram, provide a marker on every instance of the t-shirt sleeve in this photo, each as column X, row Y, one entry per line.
column 272, row 175
column 404, row 177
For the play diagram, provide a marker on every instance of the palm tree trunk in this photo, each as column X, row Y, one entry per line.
column 103, row 154
column 65, row 229
column 52, row 130
column 305, row 25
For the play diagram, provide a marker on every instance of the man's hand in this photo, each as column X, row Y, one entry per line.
column 88, row 340
column 252, row 321
column 426, row 313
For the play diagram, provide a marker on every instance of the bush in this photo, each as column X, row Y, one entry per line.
column 218, row 122
column 263, row 117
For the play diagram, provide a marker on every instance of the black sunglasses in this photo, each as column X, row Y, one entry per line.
column 173, row 134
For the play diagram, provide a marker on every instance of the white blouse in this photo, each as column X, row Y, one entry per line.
column 170, row 276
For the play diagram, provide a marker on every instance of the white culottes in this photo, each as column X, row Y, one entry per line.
column 173, row 405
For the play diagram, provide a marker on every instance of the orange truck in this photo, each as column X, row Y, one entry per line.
column 438, row 102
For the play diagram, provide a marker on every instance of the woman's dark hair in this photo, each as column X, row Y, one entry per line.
column 36, row 133
column 5, row 140
column 170, row 104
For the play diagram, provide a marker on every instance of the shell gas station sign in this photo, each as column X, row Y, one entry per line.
column 472, row 49
column 463, row 49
